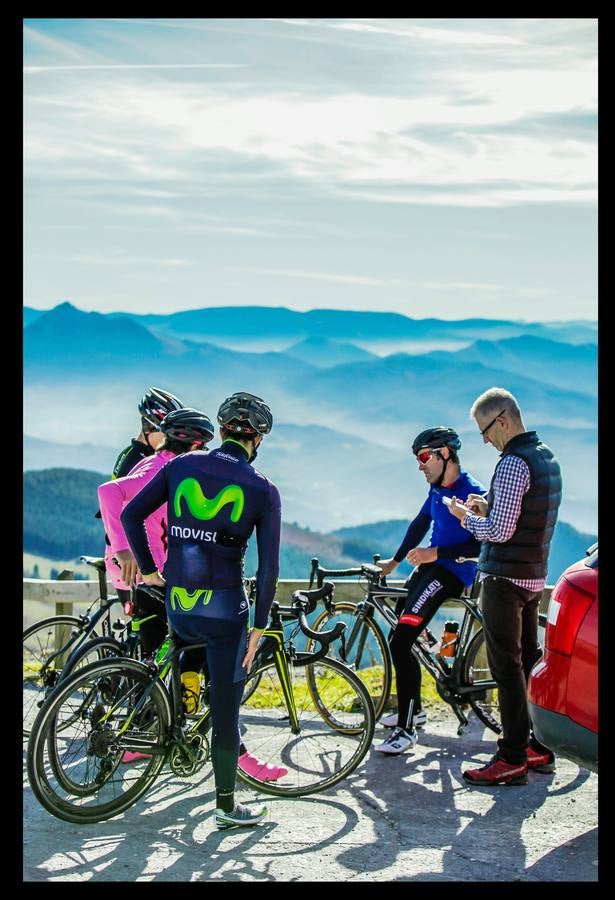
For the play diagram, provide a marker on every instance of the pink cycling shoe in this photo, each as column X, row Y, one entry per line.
column 259, row 769
column 129, row 756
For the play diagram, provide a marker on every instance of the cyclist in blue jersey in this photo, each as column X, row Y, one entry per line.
column 215, row 501
column 436, row 575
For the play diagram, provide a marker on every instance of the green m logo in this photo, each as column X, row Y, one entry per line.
column 201, row 507
column 186, row 600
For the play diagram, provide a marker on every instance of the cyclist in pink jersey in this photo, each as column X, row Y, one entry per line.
column 191, row 430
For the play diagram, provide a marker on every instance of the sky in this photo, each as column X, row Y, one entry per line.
column 434, row 167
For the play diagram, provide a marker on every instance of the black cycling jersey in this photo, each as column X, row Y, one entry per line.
column 215, row 500
column 126, row 461
column 130, row 456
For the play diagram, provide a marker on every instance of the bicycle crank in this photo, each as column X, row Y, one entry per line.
column 190, row 756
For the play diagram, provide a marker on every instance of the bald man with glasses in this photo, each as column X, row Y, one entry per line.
column 515, row 524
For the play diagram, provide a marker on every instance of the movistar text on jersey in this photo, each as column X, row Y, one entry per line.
column 197, row 534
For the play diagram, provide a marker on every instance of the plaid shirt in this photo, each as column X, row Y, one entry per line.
column 511, row 482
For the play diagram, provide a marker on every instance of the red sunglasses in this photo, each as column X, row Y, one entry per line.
column 424, row 456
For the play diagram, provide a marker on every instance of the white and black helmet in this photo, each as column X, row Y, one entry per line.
column 244, row 413
column 155, row 404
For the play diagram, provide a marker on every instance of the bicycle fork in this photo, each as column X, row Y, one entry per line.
column 276, row 644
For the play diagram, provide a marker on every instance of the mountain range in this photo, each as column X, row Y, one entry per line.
column 344, row 413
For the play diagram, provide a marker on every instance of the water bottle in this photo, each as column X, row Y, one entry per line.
column 162, row 651
column 448, row 644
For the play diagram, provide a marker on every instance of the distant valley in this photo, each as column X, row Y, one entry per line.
column 344, row 413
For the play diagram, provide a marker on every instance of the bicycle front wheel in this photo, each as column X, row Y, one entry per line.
column 43, row 660
column 367, row 651
column 317, row 755
column 76, row 765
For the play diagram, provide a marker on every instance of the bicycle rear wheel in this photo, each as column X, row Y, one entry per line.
column 80, row 736
column 476, row 670
column 369, row 656
column 40, row 673
column 320, row 754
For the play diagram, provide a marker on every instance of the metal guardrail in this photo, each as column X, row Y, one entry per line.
column 43, row 598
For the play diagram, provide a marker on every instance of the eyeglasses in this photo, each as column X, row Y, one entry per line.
column 492, row 422
column 423, row 456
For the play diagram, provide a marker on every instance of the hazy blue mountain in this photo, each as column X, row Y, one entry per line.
column 66, row 338
column 404, row 387
column 84, row 374
column 59, row 504
column 39, row 454
column 324, row 352
column 246, row 321
column 30, row 315
column 574, row 367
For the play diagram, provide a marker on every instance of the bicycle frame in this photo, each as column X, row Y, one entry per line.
column 448, row 678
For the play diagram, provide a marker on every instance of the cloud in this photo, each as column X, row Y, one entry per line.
column 38, row 69
column 357, row 280
column 438, row 35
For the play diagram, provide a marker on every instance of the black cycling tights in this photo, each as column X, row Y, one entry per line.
column 428, row 587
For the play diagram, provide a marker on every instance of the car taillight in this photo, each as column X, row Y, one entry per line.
column 567, row 609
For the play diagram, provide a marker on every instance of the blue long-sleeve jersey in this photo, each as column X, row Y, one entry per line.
column 215, row 501
column 448, row 534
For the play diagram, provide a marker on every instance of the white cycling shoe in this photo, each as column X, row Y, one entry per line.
column 418, row 720
column 398, row 742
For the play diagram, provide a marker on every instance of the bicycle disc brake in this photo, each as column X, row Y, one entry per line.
column 190, row 756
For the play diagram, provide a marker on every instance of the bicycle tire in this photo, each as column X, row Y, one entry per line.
column 318, row 756
column 93, row 786
column 476, row 671
column 38, row 642
column 91, row 651
column 377, row 675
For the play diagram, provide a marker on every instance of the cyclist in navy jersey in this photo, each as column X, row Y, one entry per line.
column 436, row 575
column 215, row 501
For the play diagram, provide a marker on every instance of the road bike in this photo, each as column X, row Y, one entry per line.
column 55, row 646
column 462, row 679
column 305, row 713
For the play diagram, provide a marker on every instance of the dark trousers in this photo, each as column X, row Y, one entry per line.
column 428, row 586
column 511, row 636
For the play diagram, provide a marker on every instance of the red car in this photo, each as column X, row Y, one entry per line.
column 563, row 685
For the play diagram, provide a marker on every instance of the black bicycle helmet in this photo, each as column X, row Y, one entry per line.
column 155, row 404
column 187, row 425
column 245, row 413
column 439, row 436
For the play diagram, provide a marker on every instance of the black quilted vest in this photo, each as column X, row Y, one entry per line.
column 526, row 553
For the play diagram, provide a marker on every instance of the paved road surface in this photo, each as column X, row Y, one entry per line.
column 405, row 818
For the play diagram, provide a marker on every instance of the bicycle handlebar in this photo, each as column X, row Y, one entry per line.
column 369, row 569
column 305, row 602
column 154, row 591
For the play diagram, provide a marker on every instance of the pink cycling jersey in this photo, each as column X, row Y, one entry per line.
column 113, row 497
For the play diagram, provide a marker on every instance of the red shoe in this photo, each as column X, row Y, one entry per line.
column 259, row 769
column 129, row 756
column 538, row 761
column 498, row 771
